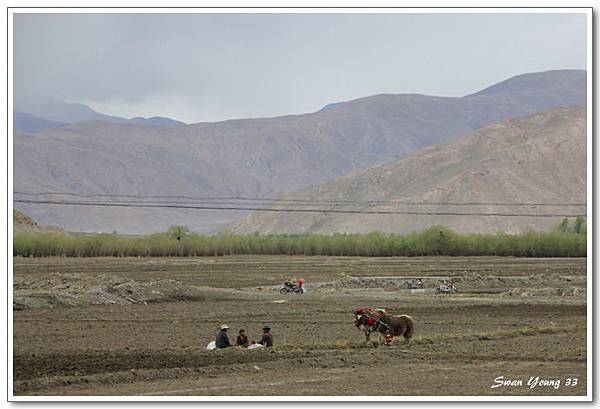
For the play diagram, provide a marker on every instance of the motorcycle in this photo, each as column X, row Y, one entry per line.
column 288, row 287
column 448, row 288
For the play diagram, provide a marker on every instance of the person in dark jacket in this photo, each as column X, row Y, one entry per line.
column 242, row 339
column 222, row 339
column 267, row 337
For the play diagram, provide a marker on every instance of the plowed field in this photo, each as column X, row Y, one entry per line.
column 119, row 326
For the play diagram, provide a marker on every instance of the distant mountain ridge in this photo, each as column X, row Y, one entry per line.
column 540, row 158
column 155, row 120
column 265, row 157
column 30, row 123
column 533, row 82
column 59, row 111
column 51, row 113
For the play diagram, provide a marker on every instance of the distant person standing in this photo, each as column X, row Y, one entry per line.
column 242, row 339
column 267, row 337
column 222, row 338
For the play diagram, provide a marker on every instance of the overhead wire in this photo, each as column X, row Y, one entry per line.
column 288, row 210
column 276, row 201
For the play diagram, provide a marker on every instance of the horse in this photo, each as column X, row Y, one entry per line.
column 383, row 323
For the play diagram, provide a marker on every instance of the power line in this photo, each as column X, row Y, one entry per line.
column 229, row 203
column 295, row 201
column 262, row 209
column 213, row 202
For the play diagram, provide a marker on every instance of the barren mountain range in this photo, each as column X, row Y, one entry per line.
column 265, row 157
column 23, row 122
column 537, row 159
column 42, row 113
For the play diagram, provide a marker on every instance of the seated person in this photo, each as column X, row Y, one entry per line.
column 222, row 339
column 242, row 339
column 267, row 337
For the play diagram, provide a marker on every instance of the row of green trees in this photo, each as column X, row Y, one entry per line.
column 179, row 242
column 576, row 226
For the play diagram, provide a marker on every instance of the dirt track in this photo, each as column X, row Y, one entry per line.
column 145, row 347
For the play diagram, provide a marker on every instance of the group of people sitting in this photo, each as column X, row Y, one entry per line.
column 222, row 339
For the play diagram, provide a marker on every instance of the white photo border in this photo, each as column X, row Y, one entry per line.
column 156, row 6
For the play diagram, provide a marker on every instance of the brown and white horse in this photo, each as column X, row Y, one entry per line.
column 371, row 320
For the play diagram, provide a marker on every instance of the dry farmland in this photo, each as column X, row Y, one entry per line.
column 140, row 326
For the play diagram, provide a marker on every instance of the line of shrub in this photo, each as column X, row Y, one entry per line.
column 431, row 242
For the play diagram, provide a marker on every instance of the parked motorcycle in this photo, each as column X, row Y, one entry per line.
column 448, row 288
column 288, row 287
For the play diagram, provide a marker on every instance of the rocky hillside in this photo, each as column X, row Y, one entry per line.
column 25, row 224
column 536, row 159
column 255, row 157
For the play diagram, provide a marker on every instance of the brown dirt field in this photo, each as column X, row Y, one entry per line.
column 462, row 341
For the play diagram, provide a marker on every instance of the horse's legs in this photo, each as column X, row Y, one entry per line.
column 368, row 335
column 407, row 336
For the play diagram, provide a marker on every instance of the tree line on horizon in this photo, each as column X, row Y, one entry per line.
column 566, row 240
column 576, row 226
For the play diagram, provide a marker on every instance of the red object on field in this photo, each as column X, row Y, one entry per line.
column 388, row 339
column 301, row 281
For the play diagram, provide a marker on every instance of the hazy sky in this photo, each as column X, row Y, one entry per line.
column 206, row 67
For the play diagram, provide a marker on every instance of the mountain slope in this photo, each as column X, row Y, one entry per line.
column 59, row 111
column 25, row 224
column 23, row 122
column 534, row 82
column 535, row 159
column 251, row 157
column 54, row 111
column 155, row 120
